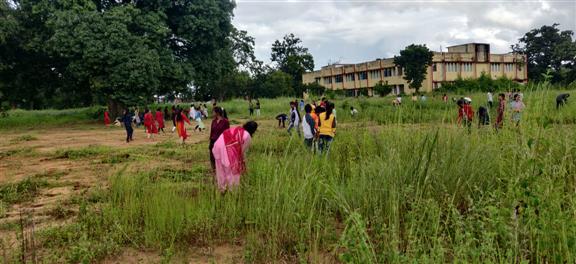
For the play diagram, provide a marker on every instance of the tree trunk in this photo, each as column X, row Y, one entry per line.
column 115, row 108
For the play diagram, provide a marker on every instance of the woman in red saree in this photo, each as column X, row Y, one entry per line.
column 180, row 118
column 229, row 151
column 150, row 124
column 106, row 118
column 160, row 120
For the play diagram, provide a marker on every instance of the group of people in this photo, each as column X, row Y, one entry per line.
column 318, row 124
column 466, row 112
column 227, row 144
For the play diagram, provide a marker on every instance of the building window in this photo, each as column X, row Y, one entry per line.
column 495, row 67
column 328, row 80
column 388, row 72
column 452, row 67
column 350, row 77
column 317, row 80
column 338, row 78
column 400, row 74
column 362, row 76
column 434, row 67
column 375, row 74
column 518, row 67
column 467, row 67
column 509, row 67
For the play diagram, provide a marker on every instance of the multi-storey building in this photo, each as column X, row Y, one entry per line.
column 465, row 61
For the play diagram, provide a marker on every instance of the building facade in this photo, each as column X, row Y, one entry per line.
column 465, row 61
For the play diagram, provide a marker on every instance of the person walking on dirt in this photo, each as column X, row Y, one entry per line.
column 160, row 120
column 127, row 121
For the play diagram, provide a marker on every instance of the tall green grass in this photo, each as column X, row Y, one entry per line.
column 396, row 193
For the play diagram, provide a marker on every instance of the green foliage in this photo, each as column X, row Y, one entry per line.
column 292, row 58
column 47, row 118
column 314, row 89
column 21, row 191
column 549, row 48
column 74, row 53
column 415, row 60
column 481, row 84
column 382, row 89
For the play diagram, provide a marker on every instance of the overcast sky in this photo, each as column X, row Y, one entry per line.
column 356, row 31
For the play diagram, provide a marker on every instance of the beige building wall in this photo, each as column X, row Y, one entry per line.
column 461, row 61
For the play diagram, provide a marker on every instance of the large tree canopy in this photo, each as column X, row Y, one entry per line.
column 292, row 58
column 548, row 48
column 67, row 53
column 414, row 59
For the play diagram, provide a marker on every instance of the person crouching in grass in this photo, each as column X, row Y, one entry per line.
column 229, row 154
column 308, row 127
column 465, row 113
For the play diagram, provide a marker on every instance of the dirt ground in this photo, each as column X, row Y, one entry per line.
column 34, row 153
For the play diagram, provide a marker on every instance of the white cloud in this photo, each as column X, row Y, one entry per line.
column 355, row 31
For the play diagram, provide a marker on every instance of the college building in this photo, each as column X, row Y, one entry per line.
column 465, row 61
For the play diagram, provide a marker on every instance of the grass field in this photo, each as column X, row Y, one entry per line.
column 400, row 185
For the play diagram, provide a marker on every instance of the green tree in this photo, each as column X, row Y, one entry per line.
column 77, row 52
column 382, row 89
column 276, row 83
column 292, row 58
column 415, row 60
column 547, row 48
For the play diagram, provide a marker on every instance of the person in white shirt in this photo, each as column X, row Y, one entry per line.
column 192, row 114
column 308, row 127
column 353, row 111
column 294, row 118
column 490, row 99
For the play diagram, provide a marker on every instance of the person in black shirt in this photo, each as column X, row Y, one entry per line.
column 561, row 100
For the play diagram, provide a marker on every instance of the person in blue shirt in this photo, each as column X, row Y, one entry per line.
column 127, row 121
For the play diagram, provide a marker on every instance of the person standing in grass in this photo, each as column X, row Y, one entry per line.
column 517, row 109
column 250, row 107
column 294, row 118
column 150, row 124
column 327, row 128
column 173, row 117
column 500, row 111
column 308, row 127
column 490, row 98
column 301, row 105
column 257, row 107
column 229, row 154
column 127, row 121
column 137, row 117
column 180, row 118
column 483, row 117
column 198, row 117
column 106, row 118
column 219, row 125
column 160, row 120
column 445, row 98
column 166, row 113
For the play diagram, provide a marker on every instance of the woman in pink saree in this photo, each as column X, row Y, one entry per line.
column 229, row 151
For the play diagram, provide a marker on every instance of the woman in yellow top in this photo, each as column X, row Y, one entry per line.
column 327, row 128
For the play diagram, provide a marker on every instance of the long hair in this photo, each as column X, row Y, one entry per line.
column 329, row 108
column 178, row 114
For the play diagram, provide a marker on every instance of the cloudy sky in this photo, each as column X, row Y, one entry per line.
column 355, row 31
